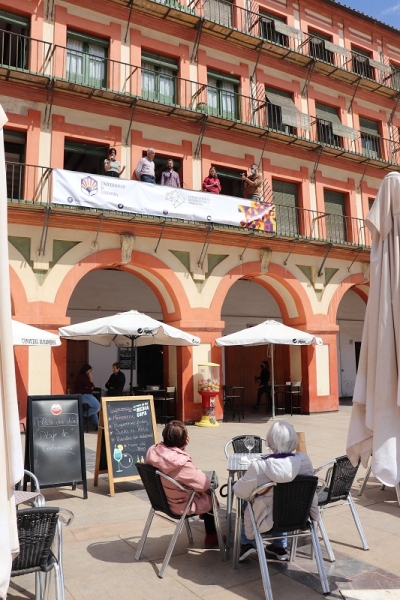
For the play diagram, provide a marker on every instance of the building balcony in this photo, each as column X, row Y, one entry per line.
column 30, row 187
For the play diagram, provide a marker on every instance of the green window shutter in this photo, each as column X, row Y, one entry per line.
column 368, row 126
column 15, row 19
column 223, row 77
column 160, row 61
column 86, row 149
column 335, row 219
column 285, row 198
column 87, row 39
column 327, row 113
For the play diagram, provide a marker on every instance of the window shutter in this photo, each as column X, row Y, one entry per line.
column 327, row 113
column 14, row 19
column 370, row 127
column 285, row 198
column 335, row 219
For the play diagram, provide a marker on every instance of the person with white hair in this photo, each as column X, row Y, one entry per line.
column 282, row 465
column 145, row 170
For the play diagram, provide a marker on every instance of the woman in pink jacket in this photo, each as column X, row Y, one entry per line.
column 170, row 458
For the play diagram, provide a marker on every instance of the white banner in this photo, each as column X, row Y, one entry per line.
column 124, row 195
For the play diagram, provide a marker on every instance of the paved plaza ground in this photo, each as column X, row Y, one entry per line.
column 100, row 544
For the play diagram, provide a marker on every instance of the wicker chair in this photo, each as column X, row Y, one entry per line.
column 291, row 514
column 37, row 529
column 151, row 479
column 338, row 481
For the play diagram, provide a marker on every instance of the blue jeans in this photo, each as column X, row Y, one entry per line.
column 94, row 407
column 147, row 179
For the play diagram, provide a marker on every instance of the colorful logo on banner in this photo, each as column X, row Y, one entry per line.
column 89, row 185
column 258, row 215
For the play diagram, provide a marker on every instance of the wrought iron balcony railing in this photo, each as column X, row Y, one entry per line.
column 31, row 184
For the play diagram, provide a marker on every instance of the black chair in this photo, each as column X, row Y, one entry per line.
column 295, row 396
column 338, row 481
column 232, row 396
column 151, row 479
column 291, row 514
column 37, row 529
column 239, row 447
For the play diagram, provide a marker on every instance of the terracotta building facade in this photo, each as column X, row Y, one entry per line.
column 309, row 92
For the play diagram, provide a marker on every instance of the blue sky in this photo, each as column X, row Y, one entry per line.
column 387, row 11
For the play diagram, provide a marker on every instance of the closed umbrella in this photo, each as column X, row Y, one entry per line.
column 27, row 335
column 375, row 419
column 269, row 332
column 11, row 463
column 130, row 328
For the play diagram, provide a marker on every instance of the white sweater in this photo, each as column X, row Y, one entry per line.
column 279, row 470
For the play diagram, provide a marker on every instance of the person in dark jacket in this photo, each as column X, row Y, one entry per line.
column 84, row 385
column 116, row 383
column 264, row 387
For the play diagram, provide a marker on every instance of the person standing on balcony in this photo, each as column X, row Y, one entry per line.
column 145, row 170
column 170, row 177
column 253, row 184
column 212, row 183
column 112, row 166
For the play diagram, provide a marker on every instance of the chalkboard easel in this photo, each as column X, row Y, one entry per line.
column 127, row 429
column 55, row 448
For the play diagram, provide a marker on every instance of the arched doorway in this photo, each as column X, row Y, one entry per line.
column 350, row 319
column 248, row 303
column 105, row 292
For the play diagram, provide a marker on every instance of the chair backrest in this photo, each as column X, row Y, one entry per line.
column 36, row 531
column 171, row 391
column 296, row 386
column 238, row 444
column 154, row 489
column 341, row 479
column 292, row 503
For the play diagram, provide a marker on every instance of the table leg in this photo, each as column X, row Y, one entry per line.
column 229, row 515
column 238, row 528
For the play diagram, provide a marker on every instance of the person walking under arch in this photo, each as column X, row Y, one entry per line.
column 264, row 387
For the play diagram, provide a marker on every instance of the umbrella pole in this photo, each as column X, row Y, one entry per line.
column 273, row 381
column 132, row 351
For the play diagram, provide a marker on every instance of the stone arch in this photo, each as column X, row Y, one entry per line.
column 156, row 274
column 348, row 283
column 289, row 294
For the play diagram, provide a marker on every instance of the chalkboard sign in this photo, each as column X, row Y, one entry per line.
column 55, row 450
column 129, row 430
column 126, row 359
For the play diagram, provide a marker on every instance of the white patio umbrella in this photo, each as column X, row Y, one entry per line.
column 11, row 463
column 269, row 332
column 27, row 335
column 130, row 328
column 375, row 419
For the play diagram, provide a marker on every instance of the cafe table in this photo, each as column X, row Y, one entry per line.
column 236, row 468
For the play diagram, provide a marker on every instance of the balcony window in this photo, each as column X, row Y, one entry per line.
column 14, row 41
column 14, row 149
column 335, row 220
column 360, row 63
column 395, row 77
column 219, row 11
column 269, row 32
column 327, row 121
column 370, row 138
column 231, row 181
column 317, row 48
column 285, row 199
column 84, row 157
column 222, row 96
column 278, row 103
column 159, row 78
column 86, row 60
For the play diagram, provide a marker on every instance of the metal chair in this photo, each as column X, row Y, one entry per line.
column 152, row 481
column 291, row 514
column 338, row 481
column 295, row 396
column 34, row 496
column 238, row 444
column 231, row 395
column 37, row 529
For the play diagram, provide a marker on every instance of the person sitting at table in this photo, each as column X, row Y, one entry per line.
column 171, row 458
column 84, row 385
column 116, row 382
column 281, row 466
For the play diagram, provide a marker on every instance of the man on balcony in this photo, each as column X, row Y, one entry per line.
column 253, row 184
column 145, row 170
column 169, row 176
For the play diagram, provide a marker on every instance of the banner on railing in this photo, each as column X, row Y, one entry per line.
column 124, row 195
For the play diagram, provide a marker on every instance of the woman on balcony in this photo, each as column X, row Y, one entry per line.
column 112, row 166
column 212, row 183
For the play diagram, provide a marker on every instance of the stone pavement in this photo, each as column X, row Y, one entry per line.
column 99, row 546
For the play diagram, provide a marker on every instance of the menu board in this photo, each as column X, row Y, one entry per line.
column 127, row 358
column 55, row 450
column 129, row 430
